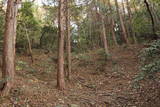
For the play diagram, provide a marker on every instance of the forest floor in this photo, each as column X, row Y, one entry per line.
column 94, row 82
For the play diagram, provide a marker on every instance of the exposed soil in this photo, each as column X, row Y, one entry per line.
column 95, row 82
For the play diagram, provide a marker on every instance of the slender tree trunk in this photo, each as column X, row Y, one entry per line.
column 29, row 45
column 113, row 32
column 60, row 73
column 68, row 32
column 124, row 32
column 112, row 25
column 135, row 7
column 123, row 8
column 41, row 38
column 104, row 36
column 130, row 22
column 8, row 68
column 104, row 39
column 124, row 18
column 152, row 19
column 154, row 12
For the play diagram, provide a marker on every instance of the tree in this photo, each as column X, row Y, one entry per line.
column 8, row 68
column 102, row 15
column 68, row 34
column 112, row 24
column 131, row 30
column 61, row 23
column 152, row 19
column 28, row 28
column 29, row 44
column 104, row 36
column 124, row 32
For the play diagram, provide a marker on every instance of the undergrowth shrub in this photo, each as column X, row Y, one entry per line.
column 150, row 60
column 103, row 55
column 85, row 59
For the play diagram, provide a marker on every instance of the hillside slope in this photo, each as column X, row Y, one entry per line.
column 95, row 82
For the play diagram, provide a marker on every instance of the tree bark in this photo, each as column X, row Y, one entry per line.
column 152, row 19
column 125, row 18
column 123, row 8
column 29, row 44
column 8, row 68
column 155, row 13
column 112, row 24
column 124, row 32
column 68, row 32
column 104, row 36
column 61, row 23
column 133, row 34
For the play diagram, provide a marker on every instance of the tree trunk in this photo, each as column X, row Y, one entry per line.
column 104, row 36
column 133, row 34
column 60, row 72
column 123, row 8
column 155, row 14
column 113, row 32
column 124, row 33
column 152, row 19
column 8, row 68
column 29, row 45
column 68, row 32
column 112, row 24
column 124, row 18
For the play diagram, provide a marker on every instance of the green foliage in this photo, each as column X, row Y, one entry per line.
column 103, row 54
column 150, row 58
column 20, row 65
column 142, row 22
column 80, row 37
column 48, row 39
column 156, row 1
column 27, row 25
column 50, row 14
column 84, row 59
column 141, row 25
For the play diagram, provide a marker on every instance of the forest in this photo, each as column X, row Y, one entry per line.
column 79, row 53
